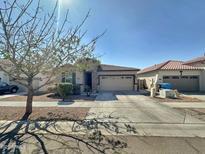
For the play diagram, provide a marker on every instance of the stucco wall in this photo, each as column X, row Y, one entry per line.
column 79, row 77
column 202, row 81
column 4, row 77
column 148, row 77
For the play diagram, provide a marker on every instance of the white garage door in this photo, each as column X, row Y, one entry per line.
column 116, row 83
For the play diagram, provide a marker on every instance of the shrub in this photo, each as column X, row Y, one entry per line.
column 65, row 90
column 88, row 90
column 52, row 89
column 76, row 89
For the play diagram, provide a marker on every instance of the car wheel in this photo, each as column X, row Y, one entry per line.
column 14, row 90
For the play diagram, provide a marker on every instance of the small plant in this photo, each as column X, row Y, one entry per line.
column 65, row 90
column 76, row 89
column 88, row 90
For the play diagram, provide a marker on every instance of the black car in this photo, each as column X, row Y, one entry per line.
column 6, row 88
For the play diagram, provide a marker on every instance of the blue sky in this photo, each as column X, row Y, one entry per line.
column 142, row 32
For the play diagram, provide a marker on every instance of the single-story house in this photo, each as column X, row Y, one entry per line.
column 99, row 78
column 104, row 78
column 184, row 76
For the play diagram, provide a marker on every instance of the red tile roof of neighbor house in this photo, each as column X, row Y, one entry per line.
column 169, row 65
column 199, row 59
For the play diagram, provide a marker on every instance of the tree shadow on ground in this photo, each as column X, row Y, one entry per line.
column 95, row 135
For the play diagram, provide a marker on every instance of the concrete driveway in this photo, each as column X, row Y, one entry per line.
column 149, row 117
column 137, row 108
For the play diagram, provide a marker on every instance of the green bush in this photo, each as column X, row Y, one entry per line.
column 76, row 89
column 65, row 90
column 88, row 90
column 52, row 89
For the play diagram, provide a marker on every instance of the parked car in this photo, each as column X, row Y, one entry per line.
column 6, row 88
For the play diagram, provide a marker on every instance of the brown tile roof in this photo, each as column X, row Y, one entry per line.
column 199, row 59
column 105, row 67
column 152, row 68
column 169, row 65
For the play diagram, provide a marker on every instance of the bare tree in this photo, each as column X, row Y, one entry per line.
column 32, row 42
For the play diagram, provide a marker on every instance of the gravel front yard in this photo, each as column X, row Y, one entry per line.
column 181, row 99
column 44, row 113
column 49, row 98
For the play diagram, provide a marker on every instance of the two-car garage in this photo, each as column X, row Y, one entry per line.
column 183, row 83
column 116, row 78
column 116, row 82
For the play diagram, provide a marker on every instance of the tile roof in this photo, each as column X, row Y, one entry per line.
column 105, row 67
column 152, row 68
column 199, row 59
column 169, row 65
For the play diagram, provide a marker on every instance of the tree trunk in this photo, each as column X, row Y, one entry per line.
column 29, row 99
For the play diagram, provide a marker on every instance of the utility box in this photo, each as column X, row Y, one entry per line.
column 167, row 93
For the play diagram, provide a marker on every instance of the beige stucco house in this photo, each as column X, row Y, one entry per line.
column 184, row 76
column 99, row 78
column 104, row 78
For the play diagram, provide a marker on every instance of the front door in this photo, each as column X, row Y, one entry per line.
column 88, row 79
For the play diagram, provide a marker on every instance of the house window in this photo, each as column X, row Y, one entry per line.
column 67, row 78
column 128, row 77
column 175, row 77
column 165, row 77
column 194, row 77
column 185, row 77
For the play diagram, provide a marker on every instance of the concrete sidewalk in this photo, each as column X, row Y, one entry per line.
column 93, row 104
column 191, row 105
column 12, row 95
column 142, row 129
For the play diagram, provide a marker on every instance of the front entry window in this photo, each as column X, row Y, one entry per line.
column 67, row 78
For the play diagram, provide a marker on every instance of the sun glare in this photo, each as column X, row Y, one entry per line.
column 65, row 2
column 61, row 5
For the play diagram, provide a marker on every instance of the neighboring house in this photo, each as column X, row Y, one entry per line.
column 38, row 80
column 184, row 76
column 104, row 78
